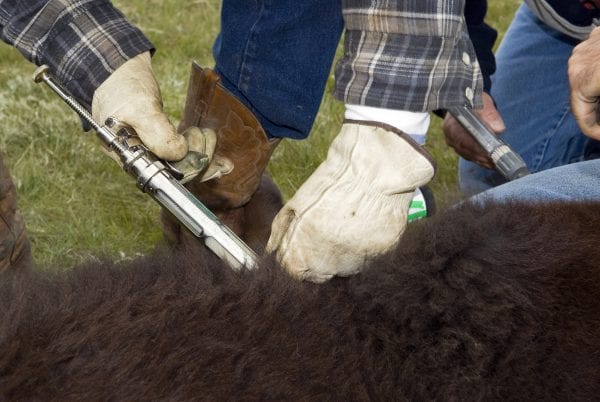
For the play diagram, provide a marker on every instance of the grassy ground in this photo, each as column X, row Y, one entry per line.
column 77, row 203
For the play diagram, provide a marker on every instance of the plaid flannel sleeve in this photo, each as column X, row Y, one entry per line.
column 411, row 55
column 83, row 41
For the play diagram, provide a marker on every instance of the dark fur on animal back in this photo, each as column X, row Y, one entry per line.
column 501, row 303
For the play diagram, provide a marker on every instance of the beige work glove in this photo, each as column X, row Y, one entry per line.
column 354, row 206
column 131, row 95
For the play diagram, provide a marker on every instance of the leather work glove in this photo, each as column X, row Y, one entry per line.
column 463, row 143
column 354, row 206
column 201, row 160
column 131, row 95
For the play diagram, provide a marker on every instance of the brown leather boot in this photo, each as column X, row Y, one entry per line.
column 15, row 249
column 242, row 140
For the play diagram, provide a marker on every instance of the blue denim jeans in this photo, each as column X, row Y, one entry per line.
column 276, row 56
column 531, row 91
column 575, row 182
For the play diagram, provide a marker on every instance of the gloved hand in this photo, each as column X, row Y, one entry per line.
column 463, row 143
column 354, row 206
column 201, row 162
column 131, row 95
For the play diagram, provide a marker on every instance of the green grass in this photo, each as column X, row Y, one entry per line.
column 77, row 203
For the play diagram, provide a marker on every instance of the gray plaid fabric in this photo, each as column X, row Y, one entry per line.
column 407, row 54
column 83, row 41
column 400, row 54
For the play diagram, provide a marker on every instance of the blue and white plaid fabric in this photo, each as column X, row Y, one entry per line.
column 399, row 54
column 407, row 54
column 83, row 41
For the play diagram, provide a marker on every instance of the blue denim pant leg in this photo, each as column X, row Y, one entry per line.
column 276, row 56
column 531, row 91
column 575, row 182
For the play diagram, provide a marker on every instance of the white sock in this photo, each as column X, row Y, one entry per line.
column 414, row 124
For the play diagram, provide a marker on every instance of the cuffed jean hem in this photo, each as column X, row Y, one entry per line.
column 575, row 182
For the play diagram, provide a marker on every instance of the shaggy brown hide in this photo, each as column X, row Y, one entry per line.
column 494, row 304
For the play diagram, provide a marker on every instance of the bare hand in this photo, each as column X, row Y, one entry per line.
column 584, row 78
column 463, row 143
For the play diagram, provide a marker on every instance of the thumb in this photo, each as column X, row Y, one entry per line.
column 586, row 115
column 490, row 115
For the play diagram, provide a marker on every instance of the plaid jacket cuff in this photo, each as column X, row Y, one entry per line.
column 82, row 41
column 407, row 55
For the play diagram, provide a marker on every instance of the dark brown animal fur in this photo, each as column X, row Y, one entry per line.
column 501, row 303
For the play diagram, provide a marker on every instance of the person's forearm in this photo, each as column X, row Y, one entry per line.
column 83, row 41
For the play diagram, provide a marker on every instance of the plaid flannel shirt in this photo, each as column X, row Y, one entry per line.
column 83, row 41
column 400, row 54
column 407, row 54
